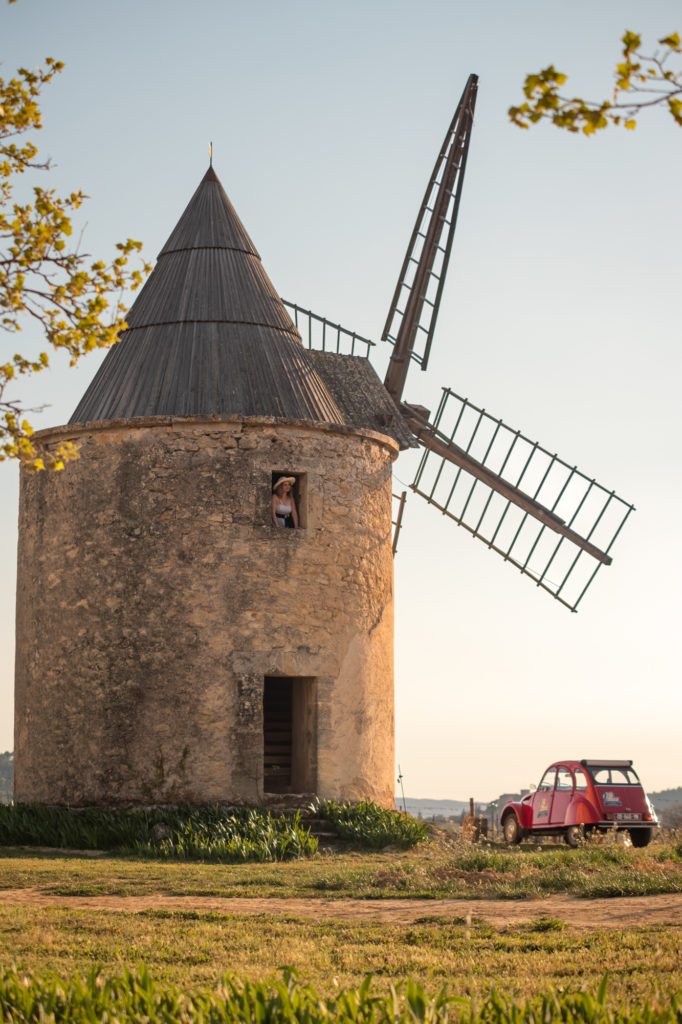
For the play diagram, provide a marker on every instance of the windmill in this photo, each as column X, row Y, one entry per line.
column 202, row 654
column 543, row 515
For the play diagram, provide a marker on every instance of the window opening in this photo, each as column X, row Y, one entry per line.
column 614, row 776
column 288, row 499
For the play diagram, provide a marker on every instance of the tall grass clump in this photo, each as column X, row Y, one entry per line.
column 214, row 833
column 247, row 834
column 367, row 824
column 137, row 997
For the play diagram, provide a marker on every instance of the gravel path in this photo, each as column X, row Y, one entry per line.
column 577, row 914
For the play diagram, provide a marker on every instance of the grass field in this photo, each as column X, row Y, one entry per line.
column 190, row 948
column 440, row 869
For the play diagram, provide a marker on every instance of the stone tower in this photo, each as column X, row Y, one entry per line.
column 171, row 644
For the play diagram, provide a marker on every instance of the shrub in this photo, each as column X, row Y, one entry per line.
column 210, row 832
column 367, row 824
column 250, row 834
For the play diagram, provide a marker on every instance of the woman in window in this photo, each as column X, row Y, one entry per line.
column 284, row 512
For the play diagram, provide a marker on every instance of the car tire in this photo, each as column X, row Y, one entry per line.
column 513, row 833
column 641, row 836
column 574, row 835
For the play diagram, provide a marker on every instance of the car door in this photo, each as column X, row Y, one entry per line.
column 542, row 799
column 563, row 794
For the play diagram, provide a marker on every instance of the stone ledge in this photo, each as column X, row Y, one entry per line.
column 69, row 430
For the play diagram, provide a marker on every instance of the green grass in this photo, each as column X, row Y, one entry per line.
column 433, row 870
column 227, row 835
column 365, row 824
column 192, row 948
column 190, row 951
column 209, row 833
column 136, row 996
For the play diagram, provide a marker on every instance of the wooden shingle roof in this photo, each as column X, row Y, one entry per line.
column 208, row 334
column 361, row 396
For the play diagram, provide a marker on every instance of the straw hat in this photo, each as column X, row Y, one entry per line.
column 284, row 480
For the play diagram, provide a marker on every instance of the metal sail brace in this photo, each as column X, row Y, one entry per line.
column 413, row 313
column 544, row 516
column 325, row 336
column 397, row 521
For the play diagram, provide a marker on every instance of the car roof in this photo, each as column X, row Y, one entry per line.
column 590, row 763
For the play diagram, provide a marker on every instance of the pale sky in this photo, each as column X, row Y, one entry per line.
column 560, row 314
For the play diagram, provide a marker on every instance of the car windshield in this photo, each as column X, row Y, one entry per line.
column 610, row 776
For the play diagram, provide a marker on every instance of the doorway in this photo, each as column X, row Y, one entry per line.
column 289, row 748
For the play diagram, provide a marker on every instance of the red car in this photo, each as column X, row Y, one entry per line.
column 577, row 797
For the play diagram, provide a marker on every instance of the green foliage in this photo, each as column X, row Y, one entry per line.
column 137, row 997
column 647, row 80
column 247, row 834
column 226, row 835
column 44, row 279
column 367, row 824
column 544, row 924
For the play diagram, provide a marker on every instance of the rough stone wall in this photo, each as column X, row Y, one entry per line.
column 154, row 596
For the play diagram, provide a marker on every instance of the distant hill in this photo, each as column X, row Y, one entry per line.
column 6, row 777
column 430, row 808
column 666, row 798
column 668, row 806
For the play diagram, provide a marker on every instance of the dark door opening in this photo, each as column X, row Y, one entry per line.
column 277, row 734
column 288, row 734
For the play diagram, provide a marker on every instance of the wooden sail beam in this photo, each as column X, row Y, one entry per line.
column 440, row 445
column 437, row 237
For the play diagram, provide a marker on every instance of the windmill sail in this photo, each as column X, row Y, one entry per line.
column 552, row 522
column 547, row 518
column 414, row 309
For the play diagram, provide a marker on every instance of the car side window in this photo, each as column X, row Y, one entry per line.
column 564, row 779
column 547, row 781
column 580, row 780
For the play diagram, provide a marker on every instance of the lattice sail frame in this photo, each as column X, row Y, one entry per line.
column 516, row 496
column 545, row 517
column 412, row 316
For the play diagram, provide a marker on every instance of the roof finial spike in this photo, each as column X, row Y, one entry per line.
column 210, row 154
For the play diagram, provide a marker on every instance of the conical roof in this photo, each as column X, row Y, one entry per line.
column 208, row 333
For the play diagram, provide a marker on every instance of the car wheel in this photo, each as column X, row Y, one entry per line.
column 641, row 836
column 574, row 835
column 513, row 833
